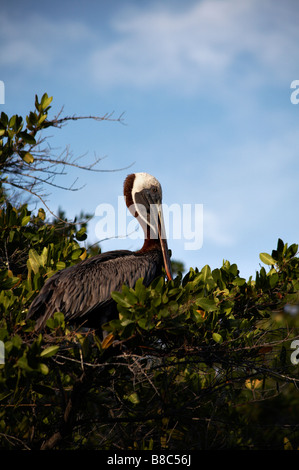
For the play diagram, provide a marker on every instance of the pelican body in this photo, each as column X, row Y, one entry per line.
column 83, row 292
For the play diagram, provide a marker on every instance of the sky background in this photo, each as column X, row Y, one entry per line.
column 204, row 86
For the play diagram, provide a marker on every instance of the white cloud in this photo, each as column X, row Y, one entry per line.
column 199, row 46
column 207, row 44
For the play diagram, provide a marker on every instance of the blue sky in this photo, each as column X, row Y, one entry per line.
column 205, row 88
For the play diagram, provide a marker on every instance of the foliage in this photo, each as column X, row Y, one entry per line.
column 201, row 362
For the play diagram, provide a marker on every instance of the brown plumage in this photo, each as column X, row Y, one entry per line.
column 83, row 292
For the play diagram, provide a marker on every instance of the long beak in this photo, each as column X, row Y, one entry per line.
column 164, row 246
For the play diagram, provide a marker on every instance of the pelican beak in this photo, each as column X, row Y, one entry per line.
column 163, row 242
column 157, row 227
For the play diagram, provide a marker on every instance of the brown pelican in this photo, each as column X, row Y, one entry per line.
column 83, row 292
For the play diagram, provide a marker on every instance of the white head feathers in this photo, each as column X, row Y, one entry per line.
column 145, row 181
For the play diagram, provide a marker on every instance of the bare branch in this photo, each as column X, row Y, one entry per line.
column 107, row 117
column 28, row 162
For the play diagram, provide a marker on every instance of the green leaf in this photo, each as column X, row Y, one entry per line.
column 31, row 120
column 206, row 273
column 56, row 321
column 42, row 119
column 37, row 105
column 60, row 265
column 273, row 280
column 7, row 280
column 45, row 101
column 126, row 322
column 233, row 269
column 239, row 281
column 41, row 214
column 35, row 260
column 43, row 368
column 206, row 304
column 133, row 398
column 158, row 284
column 23, row 364
column 44, row 256
column 291, row 251
column 145, row 324
column 12, row 121
column 140, row 290
column 118, row 297
column 4, row 119
column 280, row 245
column 217, row 337
column 81, row 234
column 27, row 157
column 267, row 259
column 131, row 297
column 50, row 351
column 29, row 139
column 25, row 220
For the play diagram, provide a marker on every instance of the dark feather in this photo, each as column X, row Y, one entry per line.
column 83, row 292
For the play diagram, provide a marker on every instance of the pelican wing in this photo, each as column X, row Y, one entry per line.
column 86, row 288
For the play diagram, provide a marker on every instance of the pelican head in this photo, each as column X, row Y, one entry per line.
column 143, row 195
